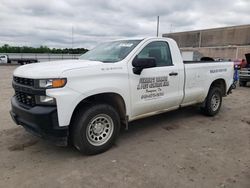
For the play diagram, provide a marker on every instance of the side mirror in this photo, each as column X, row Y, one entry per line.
column 143, row 63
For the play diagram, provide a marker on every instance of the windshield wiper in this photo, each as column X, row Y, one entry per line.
column 108, row 61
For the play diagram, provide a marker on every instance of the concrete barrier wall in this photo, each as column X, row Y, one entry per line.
column 225, row 37
column 238, row 35
column 189, row 39
column 228, row 42
column 222, row 52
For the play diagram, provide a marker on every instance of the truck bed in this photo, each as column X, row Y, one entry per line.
column 191, row 62
column 200, row 74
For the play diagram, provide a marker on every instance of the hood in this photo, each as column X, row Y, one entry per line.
column 52, row 69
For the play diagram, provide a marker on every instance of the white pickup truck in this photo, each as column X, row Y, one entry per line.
column 87, row 100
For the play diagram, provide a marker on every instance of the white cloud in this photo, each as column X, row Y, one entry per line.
column 49, row 22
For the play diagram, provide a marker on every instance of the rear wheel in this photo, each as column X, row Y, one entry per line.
column 95, row 129
column 213, row 102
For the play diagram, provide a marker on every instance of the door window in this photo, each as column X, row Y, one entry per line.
column 158, row 50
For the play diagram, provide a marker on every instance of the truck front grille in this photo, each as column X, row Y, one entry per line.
column 25, row 98
column 24, row 81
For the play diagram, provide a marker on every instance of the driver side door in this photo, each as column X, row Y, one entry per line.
column 151, row 89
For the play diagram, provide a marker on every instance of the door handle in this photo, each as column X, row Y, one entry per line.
column 173, row 74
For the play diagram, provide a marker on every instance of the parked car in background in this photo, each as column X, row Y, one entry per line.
column 5, row 59
column 245, row 72
column 240, row 63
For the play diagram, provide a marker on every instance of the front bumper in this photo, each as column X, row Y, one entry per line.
column 41, row 121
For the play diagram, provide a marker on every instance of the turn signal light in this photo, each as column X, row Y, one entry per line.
column 58, row 83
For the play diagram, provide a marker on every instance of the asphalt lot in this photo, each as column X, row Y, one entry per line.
column 177, row 149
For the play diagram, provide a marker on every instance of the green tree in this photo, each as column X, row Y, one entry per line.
column 42, row 49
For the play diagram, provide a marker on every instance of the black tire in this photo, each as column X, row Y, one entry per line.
column 83, row 133
column 243, row 83
column 212, row 108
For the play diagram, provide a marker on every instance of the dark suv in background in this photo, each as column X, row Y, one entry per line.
column 245, row 72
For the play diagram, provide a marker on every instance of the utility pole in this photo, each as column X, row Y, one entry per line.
column 158, row 20
column 72, row 37
column 72, row 41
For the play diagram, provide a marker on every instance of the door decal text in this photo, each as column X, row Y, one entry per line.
column 152, row 87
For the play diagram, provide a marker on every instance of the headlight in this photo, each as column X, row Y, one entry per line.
column 45, row 100
column 52, row 83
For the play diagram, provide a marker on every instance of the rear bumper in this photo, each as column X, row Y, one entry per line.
column 245, row 78
column 41, row 121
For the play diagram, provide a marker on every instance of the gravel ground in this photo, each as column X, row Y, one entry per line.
column 176, row 149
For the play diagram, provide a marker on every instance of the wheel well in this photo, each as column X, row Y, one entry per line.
column 113, row 99
column 220, row 83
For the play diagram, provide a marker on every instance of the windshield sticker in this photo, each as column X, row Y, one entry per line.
column 152, row 87
column 126, row 45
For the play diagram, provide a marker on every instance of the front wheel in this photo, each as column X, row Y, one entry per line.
column 95, row 128
column 213, row 102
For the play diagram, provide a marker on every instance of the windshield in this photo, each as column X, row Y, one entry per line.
column 111, row 51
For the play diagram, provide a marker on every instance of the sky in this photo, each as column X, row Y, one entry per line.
column 50, row 22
